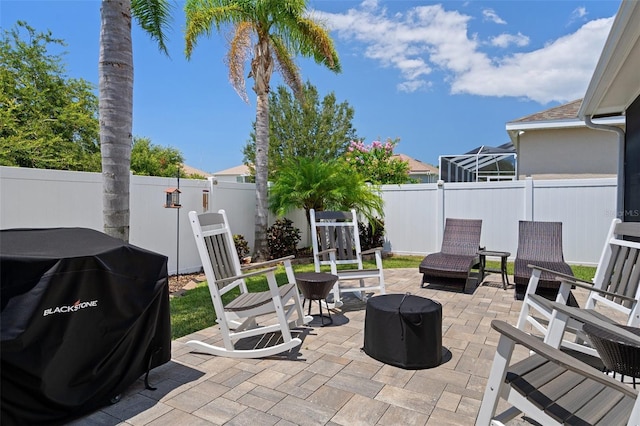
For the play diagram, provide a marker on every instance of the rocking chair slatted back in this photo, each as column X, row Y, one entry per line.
column 220, row 248
column 621, row 276
column 337, row 233
column 220, row 256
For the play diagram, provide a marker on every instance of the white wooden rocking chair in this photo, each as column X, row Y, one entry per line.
column 336, row 241
column 553, row 388
column 238, row 318
column 615, row 290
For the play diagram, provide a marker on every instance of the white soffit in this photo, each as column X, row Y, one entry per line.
column 615, row 83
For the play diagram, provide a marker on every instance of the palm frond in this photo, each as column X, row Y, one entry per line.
column 239, row 49
column 203, row 15
column 153, row 16
column 315, row 42
column 287, row 67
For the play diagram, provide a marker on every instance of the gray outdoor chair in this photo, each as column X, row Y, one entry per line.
column 458, row 254
column 539, row 244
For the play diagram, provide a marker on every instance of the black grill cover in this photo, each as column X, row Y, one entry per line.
column 404, row 330
column 83, row 316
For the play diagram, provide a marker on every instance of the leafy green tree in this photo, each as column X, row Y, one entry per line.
column 276, row 30
column 148, row 159
column 311, row 183
column 115, row 82
column 311, row 128
column 47, row 120
column 376, row 163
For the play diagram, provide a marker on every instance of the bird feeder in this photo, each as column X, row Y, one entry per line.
column 173, row 198
column 205, row 200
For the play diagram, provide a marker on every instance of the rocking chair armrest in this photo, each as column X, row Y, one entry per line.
column 266, row 263
column 584, row 316
column 560, row 275
column 227, row 280
column 589, row 286
column 372, row 250
column 558, row 357
column 327, row 251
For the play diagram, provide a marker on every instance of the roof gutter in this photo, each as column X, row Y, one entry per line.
column 621, row 149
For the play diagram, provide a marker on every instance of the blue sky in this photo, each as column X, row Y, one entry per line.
column 443, row 77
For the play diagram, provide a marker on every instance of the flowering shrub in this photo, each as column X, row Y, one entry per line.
column 376, row 163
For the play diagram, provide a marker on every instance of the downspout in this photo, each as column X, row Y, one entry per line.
column 621, row 149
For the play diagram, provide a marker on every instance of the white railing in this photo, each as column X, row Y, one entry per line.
column 414, row 214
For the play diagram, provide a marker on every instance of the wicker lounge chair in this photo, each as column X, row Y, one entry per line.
column 552, row 387
column 539, row 244
column 458, row 255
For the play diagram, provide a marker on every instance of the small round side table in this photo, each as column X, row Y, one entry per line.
column 316, row 286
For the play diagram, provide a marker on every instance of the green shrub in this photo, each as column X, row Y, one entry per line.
column 242, row 246
column 282, row 238
column 371, row 234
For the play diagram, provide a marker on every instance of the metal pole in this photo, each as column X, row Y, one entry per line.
column 178, row 235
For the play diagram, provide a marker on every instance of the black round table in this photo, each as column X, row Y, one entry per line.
column 316, row 286
column 404, row 330
column 618, row 355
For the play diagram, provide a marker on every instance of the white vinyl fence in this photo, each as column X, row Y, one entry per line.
column 414, row 214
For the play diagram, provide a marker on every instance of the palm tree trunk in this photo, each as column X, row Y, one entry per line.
column 261, row 248
column 262, row 69
column 115, row 73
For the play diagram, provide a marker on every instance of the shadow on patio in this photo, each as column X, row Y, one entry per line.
column 331, row 380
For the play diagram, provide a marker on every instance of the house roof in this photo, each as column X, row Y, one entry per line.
column 567, row 111
column 193, row 171
column 615, row 83
column 417, row 166
column 558, row 117
column 241, row 170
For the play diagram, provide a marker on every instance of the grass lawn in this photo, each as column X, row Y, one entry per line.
column 193, row 311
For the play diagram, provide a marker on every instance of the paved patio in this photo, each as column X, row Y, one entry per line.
column 332, row 381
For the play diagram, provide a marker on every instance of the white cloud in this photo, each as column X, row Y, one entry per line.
column 491, row 15
column 413, row 86
column 505, row 40
column 579, row 12
column 425, row 38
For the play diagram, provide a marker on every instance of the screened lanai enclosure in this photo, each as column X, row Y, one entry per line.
column 483, row 164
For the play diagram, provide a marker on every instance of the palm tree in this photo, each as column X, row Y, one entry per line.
column 276, row 30
column 311, row 183
column 115, row 82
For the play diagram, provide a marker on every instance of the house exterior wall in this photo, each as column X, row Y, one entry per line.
column 567, row 153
